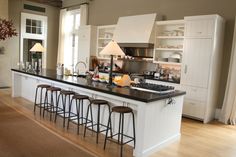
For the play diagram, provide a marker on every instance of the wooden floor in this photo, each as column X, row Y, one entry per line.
column 197, row 139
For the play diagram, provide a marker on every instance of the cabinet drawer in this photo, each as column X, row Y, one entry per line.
column 195, row 93
column 194, row 109
column 199, row 28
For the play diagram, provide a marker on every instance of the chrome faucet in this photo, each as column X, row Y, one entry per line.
column 77, row 70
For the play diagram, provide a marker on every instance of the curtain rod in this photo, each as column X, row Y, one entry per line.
column 72, row 6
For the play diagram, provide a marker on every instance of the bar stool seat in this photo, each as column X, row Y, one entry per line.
column 67, row 92
column 43, row 86
column 99, row 101
column 54, row 89
column 121, row 110
column 77, row 96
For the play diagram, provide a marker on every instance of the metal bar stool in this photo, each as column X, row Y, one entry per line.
column 98, row 103
column 79, row 116
column 121, row 110
column 40, row 87
column 62, row 111
column 51, row 106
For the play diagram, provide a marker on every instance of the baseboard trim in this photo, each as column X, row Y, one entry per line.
column 159, row 146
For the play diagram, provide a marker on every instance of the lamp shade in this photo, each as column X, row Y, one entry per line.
column 112, row 48
column 37, row 48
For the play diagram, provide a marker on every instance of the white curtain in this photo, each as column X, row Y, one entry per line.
column 61, row 38
column 228, row 113
column 65, row 29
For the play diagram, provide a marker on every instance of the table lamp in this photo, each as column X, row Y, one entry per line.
column 112, row 49
column 37, row 48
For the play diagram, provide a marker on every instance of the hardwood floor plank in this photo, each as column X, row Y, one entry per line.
column 197, row 139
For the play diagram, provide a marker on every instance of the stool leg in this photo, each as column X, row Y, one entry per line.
column 134, row 129
column 98, row 123
column 58, row 99
column 122, row 131
column 78, row 115
column 45, row 102
column 35, row 100
column 64, row 111
column 85, row 128
column 51, row 105
column 68, row 122
column 108, row 125
column 119, row 129
column 109, row 118
column 91, row 116
column 40, row 101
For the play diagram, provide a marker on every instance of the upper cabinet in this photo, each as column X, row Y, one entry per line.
column 86, row 45
column 169, row 37
column 104, row 36
column 199, row 26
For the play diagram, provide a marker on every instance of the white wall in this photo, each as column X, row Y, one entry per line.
column 5, row 59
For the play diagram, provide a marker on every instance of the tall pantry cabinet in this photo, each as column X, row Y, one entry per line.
column 201, row 65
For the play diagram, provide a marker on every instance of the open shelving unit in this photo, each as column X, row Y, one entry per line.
column 104, row 36
column 169, row 40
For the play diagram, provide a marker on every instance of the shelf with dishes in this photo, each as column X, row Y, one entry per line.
column 168, row 49
column 104, row 36
column 170, row 37
column 167, row 57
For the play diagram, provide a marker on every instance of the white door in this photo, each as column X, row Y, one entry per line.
column 196, row 62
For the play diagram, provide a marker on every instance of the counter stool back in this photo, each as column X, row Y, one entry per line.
column 64, row 94
column 79, row 116
column 121, row 110
column 40, row 104
column 50, row 106
column 98, row 103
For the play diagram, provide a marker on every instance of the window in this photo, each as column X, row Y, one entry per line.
column 72, row 23
column 33, row 29
column 33, row 26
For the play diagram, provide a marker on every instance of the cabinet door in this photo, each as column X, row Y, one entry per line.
column 196, row 62
column 194, row 109
column 199, row 28
column 84, row 45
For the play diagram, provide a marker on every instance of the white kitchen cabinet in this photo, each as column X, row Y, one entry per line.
column 104, row 36
column 169, row 37
column 86, row 43
column 196, row 62
column 201, row 65
column 200, row 26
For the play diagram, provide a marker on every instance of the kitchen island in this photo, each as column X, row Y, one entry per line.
column 157, row 121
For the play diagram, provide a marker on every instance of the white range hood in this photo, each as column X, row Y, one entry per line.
column 135, row 31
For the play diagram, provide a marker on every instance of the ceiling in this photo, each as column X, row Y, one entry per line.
column 55, row 3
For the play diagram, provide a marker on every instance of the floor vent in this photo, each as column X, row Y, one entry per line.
column 34, row 8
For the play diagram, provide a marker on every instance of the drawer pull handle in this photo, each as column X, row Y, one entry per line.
column 185, row 69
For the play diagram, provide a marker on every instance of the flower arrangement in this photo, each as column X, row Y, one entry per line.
column 7, row 29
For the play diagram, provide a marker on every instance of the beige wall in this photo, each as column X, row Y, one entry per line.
column 15, row 9
column 103, row 12
column 3, row 8
column 5, row 58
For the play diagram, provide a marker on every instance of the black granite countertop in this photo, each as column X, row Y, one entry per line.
column 125, row 92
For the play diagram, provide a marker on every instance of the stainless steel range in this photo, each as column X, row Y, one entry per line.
column 154, row 88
